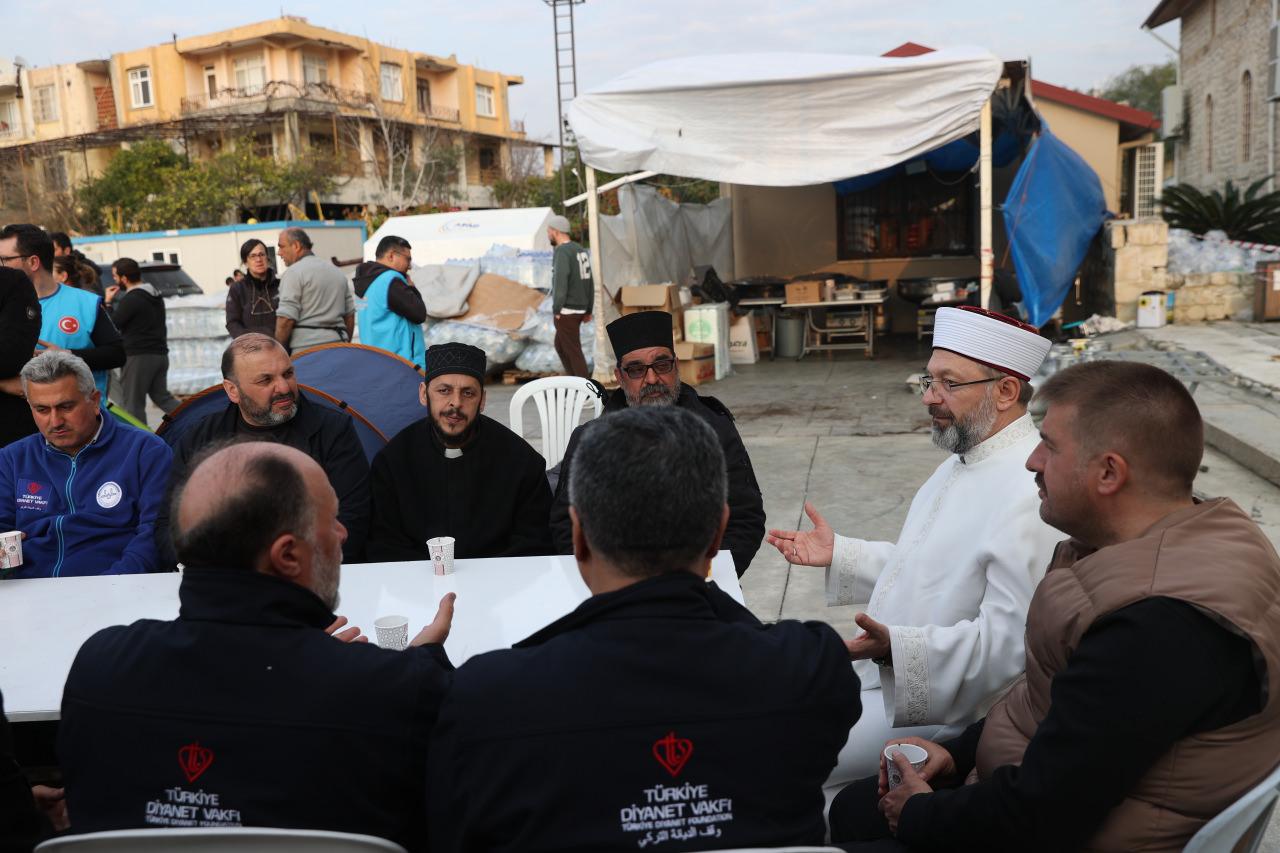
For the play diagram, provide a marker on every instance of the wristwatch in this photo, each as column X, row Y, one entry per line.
column 887, row 660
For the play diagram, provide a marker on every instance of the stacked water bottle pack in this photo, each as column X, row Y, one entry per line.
column 197, row 337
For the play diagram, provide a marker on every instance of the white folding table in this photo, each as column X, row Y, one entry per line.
column 500, row 602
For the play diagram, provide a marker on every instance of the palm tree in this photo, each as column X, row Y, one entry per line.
column 1248, row 216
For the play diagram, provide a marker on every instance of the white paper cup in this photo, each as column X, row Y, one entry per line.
column 915, row 754
column 11, row 549
column 393, row 632
column 441, row 550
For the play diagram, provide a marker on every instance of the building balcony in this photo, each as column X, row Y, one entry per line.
column 448, row 114
column 277, row 96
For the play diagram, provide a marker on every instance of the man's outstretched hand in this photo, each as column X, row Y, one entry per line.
column 806, row 548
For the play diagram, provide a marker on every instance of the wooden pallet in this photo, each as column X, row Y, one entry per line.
column 517, row 377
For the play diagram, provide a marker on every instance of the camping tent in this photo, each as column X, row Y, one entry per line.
column 438, row 237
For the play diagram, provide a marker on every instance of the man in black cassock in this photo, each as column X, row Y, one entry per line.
column 458, row 473
column 647, row 376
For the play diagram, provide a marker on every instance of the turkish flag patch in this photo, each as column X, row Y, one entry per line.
column 672, row 752
column 194, row 759
column 69, row 325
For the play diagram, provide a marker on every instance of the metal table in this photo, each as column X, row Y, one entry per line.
column 813, row 332
column 770, row 304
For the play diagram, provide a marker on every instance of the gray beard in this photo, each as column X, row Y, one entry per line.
column 964, row 435
column 657, row 394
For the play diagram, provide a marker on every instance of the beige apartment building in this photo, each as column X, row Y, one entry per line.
column 383, row 114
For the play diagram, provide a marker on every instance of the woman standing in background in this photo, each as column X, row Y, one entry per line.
column 252, row 301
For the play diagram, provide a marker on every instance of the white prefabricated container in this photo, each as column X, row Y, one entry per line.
column 1153, row 311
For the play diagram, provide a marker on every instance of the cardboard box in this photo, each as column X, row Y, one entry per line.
column 500, row 303
column 742, row 341
column 654, row 297
column 697, row 362
column 801, row 292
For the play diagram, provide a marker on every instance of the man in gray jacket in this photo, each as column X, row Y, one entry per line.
column 316, row 305
column 572, row 295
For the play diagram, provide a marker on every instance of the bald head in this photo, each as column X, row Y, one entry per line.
column 240, row 499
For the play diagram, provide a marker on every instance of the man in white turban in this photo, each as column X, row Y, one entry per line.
column 942, row 635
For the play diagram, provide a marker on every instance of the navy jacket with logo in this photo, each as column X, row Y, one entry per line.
column 663, row 715
column 91, row 514
column 243, row 711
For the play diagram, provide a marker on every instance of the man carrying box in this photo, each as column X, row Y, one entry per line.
column 647, row 374
column 572, row 296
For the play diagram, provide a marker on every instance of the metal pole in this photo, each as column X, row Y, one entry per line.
column 603, row 371
column 985, row 254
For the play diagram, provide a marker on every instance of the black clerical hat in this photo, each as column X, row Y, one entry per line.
column 455, row 358
column 639, row 331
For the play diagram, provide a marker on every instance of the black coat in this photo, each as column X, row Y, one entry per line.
column 22, row 824
column 245, row 699
column 327, row 436
column 493, row 499
column 139, row 315
column 745, row 531
column 19, row 330
column 662, row 701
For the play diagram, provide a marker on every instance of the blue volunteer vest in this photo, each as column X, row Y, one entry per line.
column 385, row 329
column 67, row 319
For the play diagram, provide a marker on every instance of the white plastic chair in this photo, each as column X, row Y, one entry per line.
column 219, row 840
column 1240, row 826
column 560, row 401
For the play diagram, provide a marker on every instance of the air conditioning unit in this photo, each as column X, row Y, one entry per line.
column 1171, row 112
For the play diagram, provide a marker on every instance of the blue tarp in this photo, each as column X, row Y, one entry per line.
column 1052, row 213
column 958, row 156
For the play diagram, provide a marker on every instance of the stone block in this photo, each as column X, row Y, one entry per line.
column 1128, row 291
column 1216, row 311
column 1221, row 278
column 1127, row 311
column 1154, row 255
column 1196, row 279
column 1195, row 313
column 1128, row 265
column 1117, row 235
column 1174, row 281
column 1140, row 234
column 1160, row 280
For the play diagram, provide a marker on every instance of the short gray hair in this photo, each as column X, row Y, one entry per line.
column 54, row 364
column 649, row 486
column 296, row 235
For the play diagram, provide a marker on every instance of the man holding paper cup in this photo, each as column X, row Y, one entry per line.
column 1152, row 654
column 244, row 707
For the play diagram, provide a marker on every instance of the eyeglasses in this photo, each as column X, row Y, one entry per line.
column 4, row 259
column 927, row 382
column 661, row 366
column 255, row 256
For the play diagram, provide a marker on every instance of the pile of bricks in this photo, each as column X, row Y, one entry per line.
column 1212, row 296
column 1140, row 249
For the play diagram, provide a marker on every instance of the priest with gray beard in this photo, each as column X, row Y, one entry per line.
column 647, row 376
column 942, row 635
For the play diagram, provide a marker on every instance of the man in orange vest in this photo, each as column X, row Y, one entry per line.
column 1144, row 710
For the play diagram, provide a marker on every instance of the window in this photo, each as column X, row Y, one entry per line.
column 914, row 214
column 424, row 97
column 140, row 87
column 1208, row 133
column 315, row 69
column 55, row 174
column 484, row 101
column 10, row 124
column 210, row 82
column 46, row 103
column 264, row 145
column 251, row 74
column 392, row 90
column 1246, row 114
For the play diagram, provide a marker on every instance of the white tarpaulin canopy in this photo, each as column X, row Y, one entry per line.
column 438, row 237
column 778, row 119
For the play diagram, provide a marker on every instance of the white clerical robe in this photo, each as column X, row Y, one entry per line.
column 954, row 591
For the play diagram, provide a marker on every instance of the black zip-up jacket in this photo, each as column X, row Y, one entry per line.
column 746, row 505
column 662, row 713
column 325, row 435
column 19, row 331
column 242, row 710
column 402, row 298
column 139, row 315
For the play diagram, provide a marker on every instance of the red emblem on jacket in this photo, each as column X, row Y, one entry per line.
column 70, row 325
column 672, row 752
column 33, row 488
column 194, row 759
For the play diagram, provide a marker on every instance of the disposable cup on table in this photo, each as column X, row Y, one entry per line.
column 914, row 754
column 392, row 631
column 441, row 550
column 11, row 549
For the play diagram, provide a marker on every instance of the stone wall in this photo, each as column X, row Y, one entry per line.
column 1139, row 250
column 1212, row 296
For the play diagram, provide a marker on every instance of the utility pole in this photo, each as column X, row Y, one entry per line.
column 566, row 78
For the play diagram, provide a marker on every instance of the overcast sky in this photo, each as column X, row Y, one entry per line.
column 1079, row 43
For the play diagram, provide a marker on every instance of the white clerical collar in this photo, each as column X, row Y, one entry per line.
column 452, row 452
column 1007, row 437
